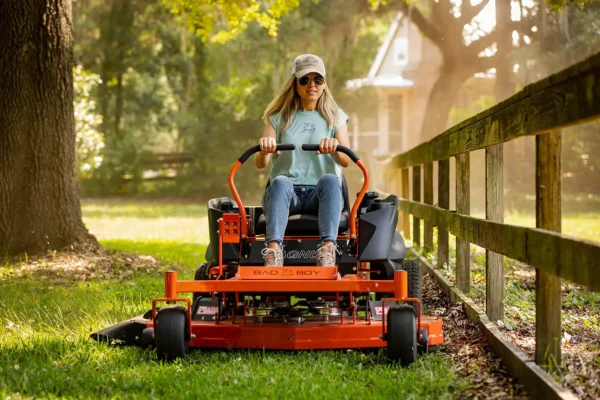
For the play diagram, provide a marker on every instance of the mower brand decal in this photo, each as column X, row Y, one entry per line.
column 286, row 272
column 210, row 310
column 299, row 254
column 378, row 310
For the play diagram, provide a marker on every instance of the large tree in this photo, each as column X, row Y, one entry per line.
column 39, row 205
column 443, row 23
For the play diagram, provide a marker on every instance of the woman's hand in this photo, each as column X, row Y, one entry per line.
column 268, row 145
column 327, row 146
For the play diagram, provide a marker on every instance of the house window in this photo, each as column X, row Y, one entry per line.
column 395, row 111
column 401, row 52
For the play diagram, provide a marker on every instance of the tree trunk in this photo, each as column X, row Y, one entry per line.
column 440, row 101
column 118, row 106
column 39, row 204
column 504, row 86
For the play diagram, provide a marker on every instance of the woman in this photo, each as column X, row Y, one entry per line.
column 304, row 112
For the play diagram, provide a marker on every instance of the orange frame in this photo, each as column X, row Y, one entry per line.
column 315, row 332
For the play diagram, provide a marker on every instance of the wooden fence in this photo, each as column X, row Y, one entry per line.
column 542, row 109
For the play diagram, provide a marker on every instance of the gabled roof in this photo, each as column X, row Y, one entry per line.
column 372, row 79
column 385, row 46
column 383, row 81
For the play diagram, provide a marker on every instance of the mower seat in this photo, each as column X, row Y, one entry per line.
column 301, row 225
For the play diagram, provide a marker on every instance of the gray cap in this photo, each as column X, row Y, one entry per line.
column 307, row 63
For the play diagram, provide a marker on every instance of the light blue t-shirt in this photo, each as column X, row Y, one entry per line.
column 305, row 167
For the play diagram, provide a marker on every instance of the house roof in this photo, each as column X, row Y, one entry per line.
column 383, row 81
column 385, row 46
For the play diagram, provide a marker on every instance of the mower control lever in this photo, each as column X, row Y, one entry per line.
column 256, row 149
column 341, row 149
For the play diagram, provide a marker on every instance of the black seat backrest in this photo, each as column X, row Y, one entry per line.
column 344, row 193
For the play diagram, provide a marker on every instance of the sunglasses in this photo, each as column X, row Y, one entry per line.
column 305, row 80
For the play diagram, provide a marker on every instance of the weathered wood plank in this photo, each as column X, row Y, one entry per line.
column 538, row 383
column 557, row 254
column 494, row 210
column 397, row 188
column 548, row 217
column 563, row 99
column 443, row 202
column 428, row 199
column 463, row 206
column 416, row 187
column 406, row 195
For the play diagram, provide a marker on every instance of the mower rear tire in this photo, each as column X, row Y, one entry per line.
column 401, row 334
column 171, row 333
column 202, row 274
column 414, row 282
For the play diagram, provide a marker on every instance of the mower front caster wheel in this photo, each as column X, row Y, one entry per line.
column 171, row 333
column 148, row 338
column 402, row 334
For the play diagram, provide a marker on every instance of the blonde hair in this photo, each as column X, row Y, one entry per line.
column 288, row 102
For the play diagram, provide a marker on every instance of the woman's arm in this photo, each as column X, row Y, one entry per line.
column 342, row 137
column 268, row 143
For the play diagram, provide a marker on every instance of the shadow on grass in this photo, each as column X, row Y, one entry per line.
column 64, row 269
column 186, row 256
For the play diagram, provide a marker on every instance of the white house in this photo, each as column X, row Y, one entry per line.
column 401, row 77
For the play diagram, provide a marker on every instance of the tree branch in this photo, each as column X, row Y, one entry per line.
column 523, row 26
column 483, row 64
column 468, row 11
column 483, row 42
column 424, row 25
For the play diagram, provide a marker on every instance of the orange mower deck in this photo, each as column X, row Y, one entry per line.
column 347, row 330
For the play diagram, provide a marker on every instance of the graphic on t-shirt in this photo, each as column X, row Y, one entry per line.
column 308, row 127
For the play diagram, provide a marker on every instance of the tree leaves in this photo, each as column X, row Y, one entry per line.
column 221, row 21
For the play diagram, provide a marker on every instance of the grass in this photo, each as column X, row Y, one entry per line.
column 147, row 222
column 45, row 322
column 578, row 225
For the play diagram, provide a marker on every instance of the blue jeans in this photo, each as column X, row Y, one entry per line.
column 282, row 199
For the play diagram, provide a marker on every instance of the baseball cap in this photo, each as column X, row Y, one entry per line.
column 307, row 63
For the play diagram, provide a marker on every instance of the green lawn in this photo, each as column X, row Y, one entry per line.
column 579, row 225
column 45, row 322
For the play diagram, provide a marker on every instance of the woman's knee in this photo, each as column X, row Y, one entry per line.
column 328, row 180
column 282, row 183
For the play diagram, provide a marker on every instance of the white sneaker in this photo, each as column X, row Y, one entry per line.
column 326, row 255
column 273, row 257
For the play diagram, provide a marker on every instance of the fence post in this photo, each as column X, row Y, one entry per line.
column 443, row 202
column 406, row 195
column 463, row 206
column 416, row 186
column 548, row 216
column 396, row 179
column 494, row 211
column 428, row 199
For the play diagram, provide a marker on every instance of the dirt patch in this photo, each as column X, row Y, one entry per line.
column 580, row 367
column 81, row 264
column 475, row 360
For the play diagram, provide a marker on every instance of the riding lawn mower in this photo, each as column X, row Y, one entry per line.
column 370, row 299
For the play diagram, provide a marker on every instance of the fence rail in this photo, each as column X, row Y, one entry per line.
column 541, row 109
column 566, row 98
